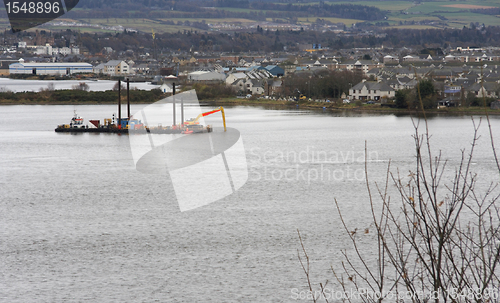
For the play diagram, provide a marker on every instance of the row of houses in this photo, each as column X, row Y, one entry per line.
column 258, row 79
column 377, row 90
column 50, row 50
column 448, row 58
column 253, row 81
column 340, row 62
column 247, row 80
column 120, row 67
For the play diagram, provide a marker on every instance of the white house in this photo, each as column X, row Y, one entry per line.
column 486, row 89
column 49, row 50
column 249, row 82
column 44, row 50
column 391, row 59
column 99, row 69
column 231, row 78
column 65, row 51
column 116, row 67
column 140, row 68
column 371, row 90
column 166, row 88
column 360, row 65
column 254, row 86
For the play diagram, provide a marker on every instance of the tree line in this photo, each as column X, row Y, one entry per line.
column 205, row 9
column 268, row 41
column 427, row 92
column 352, row 11
column 79, row 95
column 322, row 84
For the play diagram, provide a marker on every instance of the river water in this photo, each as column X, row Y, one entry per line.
column 78, row 222
column 18, row 85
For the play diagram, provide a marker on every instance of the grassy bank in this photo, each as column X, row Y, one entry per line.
column 473, row 110
column 148, row 98
column 61, row 97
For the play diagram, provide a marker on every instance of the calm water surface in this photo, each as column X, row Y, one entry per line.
column 78, row 223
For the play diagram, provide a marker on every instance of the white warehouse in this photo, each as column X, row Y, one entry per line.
column 206, row 76
column 50, row 68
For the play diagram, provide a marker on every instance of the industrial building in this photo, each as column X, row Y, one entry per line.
column 49, row 68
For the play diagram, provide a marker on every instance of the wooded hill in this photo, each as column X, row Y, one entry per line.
column 266, row 41
column 256, row 10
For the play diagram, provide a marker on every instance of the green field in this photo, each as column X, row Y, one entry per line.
column 431, row 7
column 455, row 12
column 144, row 25
column 457, row 15
column 409, row 11
column 212, row 20
column 401, row 17
column 347, row 22
column 238, row 10
column 391, row 6
column 413, row 26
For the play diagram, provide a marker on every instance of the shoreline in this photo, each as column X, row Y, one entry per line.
column 67, row 103
column 331, row 107
column 366, row 108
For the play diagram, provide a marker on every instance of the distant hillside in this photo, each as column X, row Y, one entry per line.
column 181, row 5
column 275, row 41
column 257, row 10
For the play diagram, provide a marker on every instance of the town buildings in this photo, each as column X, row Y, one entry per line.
column 470, row 71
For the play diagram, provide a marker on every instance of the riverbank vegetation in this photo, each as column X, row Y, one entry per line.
column 322, row 84
column 433, row 235
column 209, row 97
column 78, row 95
column 327, row 90
column 355, row 106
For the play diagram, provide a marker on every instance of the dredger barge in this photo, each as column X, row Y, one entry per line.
column 119, row 125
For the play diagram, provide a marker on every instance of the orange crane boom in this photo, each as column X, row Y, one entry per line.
column 219, row 109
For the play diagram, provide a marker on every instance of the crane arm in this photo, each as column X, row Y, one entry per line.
column 220, row 109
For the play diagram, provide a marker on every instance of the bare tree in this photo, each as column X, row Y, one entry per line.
column 122, row 87
column 81, row 86
column 439, row 242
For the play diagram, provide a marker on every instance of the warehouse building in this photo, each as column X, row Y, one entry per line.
column 49, row 68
